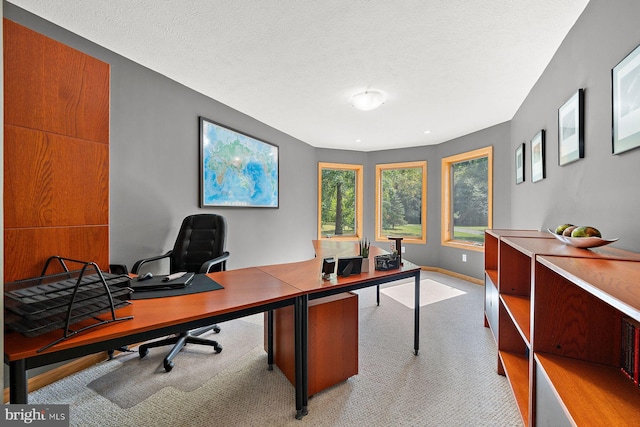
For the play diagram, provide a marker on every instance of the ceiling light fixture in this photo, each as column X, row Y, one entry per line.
column 368, row 100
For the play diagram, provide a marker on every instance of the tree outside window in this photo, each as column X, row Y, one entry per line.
column 339, row 201
column 467, row 198
column 401, row 194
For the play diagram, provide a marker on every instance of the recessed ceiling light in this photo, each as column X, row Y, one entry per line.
column 358, row 140
column 368, row 100
column 427, row 131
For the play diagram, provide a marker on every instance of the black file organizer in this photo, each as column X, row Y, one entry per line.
column 56, row 301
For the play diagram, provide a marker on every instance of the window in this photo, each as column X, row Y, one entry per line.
column 401, row 201
column 467, row 198
column 339, row 201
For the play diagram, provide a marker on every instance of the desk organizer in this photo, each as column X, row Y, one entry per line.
column 42, row 304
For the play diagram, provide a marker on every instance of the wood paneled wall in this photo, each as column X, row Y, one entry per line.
column 56, row 153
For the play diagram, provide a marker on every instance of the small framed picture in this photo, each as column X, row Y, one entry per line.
column 537, row 157
column 625, row 79
column 520, row 163
column 571, row 129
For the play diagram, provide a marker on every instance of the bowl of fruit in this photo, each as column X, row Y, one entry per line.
column 582, row 236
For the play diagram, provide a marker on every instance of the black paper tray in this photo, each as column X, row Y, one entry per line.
column 57, row 301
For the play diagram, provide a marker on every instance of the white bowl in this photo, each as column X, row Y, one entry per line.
column 582, row 242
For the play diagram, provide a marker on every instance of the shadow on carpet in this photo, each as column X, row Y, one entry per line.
column 138, row 379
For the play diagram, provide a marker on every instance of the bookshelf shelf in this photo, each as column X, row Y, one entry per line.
column 493, row 275
column 519, row 308
column 592, row 394
column 559, row 325
column 516, row 368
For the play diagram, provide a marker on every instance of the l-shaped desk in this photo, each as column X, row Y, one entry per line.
column 246, row 291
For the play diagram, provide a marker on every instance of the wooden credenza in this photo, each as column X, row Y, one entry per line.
column 556, row 313
column 332, row 337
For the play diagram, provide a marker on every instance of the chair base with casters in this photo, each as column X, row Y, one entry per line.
column 179, row 341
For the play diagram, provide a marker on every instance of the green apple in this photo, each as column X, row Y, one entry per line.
column 560, row 229
column 585, row 231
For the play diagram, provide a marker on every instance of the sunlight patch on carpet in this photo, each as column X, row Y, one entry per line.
column 430, row 292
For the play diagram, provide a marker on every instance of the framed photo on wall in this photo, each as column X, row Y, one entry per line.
column 625, row 79
column 520, row 163
column 236, row 170
column 537, row 157
column 571, row 129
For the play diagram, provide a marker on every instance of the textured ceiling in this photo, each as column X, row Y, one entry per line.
column 448, row 66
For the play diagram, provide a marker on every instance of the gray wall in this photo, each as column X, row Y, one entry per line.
column 601, row 189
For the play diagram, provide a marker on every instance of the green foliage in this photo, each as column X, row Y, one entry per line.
column 470, row 192
column 364, row 247
column 393, row 213
column 469, row 234
column 338, row 186
column 408, row 230
column 401, row 198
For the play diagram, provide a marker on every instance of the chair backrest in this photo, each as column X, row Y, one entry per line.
column 201, row 238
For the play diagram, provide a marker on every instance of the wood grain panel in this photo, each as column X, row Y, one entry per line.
column 27, row 249
column 514, row 271
column 53, row 180
column 50, row 86
column 569, row 321
column 509, row 339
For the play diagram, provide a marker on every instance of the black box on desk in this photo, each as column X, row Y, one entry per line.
column 387, row 262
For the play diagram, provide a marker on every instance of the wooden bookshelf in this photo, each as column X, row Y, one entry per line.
column 558, row 322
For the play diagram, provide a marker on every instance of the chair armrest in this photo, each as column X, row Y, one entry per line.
column 138, row 264
column 222, row 259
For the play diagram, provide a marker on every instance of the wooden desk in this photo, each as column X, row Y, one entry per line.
column 246, row 291
column 306, row 277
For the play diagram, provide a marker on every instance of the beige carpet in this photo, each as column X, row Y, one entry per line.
column 124, row 388
column 452, row 382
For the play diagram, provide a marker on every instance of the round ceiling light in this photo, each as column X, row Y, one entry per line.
column 368, row 100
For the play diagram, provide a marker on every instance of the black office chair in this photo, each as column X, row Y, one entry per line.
column 199, row 248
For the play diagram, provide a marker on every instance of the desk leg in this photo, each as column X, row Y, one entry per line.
column 301, row 319
column 378, row 294
column 416, row 327
column 18, row 382
column 270, row 339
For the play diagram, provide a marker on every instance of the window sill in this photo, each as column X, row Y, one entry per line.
column 478, row 247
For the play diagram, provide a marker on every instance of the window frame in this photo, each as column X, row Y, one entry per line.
column 422, row 164
column 359, row 170
column 447, row 221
